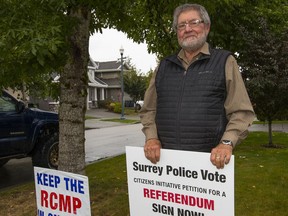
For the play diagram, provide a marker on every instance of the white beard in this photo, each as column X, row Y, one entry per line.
column 193, row 45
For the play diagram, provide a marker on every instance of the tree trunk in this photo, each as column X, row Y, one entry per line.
column 270, row 144
column 74, row 84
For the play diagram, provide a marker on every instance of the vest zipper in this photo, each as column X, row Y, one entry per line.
column 178, row 141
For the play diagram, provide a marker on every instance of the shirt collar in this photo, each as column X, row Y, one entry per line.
column 203, row 51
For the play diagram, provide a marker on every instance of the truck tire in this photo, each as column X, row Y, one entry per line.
column 46, row 153
column 138, row 106
column 3, row 162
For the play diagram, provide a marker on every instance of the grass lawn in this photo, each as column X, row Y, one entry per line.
column 274, row 122
column 261, row 176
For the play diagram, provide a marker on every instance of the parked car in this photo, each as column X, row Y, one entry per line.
column 139, row 104
column 27, row 132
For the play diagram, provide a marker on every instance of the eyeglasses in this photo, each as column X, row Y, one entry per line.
column 190, row 23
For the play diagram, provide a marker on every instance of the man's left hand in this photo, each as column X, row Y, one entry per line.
column 220, row 155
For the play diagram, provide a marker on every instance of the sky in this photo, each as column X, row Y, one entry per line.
column 105, row 47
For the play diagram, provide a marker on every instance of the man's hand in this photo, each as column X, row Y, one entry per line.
column 220, row 155
column 152, row 150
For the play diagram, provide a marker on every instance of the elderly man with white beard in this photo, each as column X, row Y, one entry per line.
column 196, row 100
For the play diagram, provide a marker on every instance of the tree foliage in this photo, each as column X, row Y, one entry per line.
column 43, row 37
column 265, row 68
column 32, row 41
column 135, row 84
column 151, row 21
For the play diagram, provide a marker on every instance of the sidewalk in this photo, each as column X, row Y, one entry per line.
column 101, row 114
column 264, row 127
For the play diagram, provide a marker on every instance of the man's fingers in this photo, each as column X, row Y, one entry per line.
column 221, row 155
column 153, row 156
column 157, row 155
column 227, row 159
column 152, row 150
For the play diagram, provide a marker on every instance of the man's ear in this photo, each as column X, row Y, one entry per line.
column 207, row 28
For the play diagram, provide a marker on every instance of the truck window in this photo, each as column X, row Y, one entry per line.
column 6, row 104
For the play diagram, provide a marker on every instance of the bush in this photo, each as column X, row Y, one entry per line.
column 104, row 104
column 111, row 107
column 117, row 107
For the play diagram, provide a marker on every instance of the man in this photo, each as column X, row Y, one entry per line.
column 196, row 100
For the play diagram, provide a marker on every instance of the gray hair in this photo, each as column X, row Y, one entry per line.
column 187, row 7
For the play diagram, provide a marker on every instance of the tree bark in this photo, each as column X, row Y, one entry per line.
column 73, row 95
column 270, row 133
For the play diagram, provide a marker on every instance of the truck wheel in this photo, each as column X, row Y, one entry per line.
column 138, row 106
column 3, row 162
column 46, row 154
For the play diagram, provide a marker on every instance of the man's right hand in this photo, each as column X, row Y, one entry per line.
column 152, row 150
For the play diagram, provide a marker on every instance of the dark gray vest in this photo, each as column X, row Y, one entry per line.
column 190, row 104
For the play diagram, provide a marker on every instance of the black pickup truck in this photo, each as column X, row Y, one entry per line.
column 27, row 132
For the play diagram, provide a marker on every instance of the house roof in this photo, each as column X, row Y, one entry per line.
column 91, row 63
column 96, row 82
column 113, row 83
column 110, row 66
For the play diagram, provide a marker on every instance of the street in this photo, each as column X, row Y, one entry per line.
column 100, row 143
column 111, row 141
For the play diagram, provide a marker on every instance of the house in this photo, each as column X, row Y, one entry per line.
column 96, row 87
column 104, row 83
column 110, row 73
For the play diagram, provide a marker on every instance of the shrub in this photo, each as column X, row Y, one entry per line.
column 111, row 107
column 104, row 104
column 117, row 107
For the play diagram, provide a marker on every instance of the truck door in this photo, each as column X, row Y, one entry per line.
column 13, row 136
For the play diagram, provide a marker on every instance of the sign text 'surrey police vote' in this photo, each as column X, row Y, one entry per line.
column 183, row 183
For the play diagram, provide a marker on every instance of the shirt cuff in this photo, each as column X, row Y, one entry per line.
column 232, row 137
column 150, row 134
